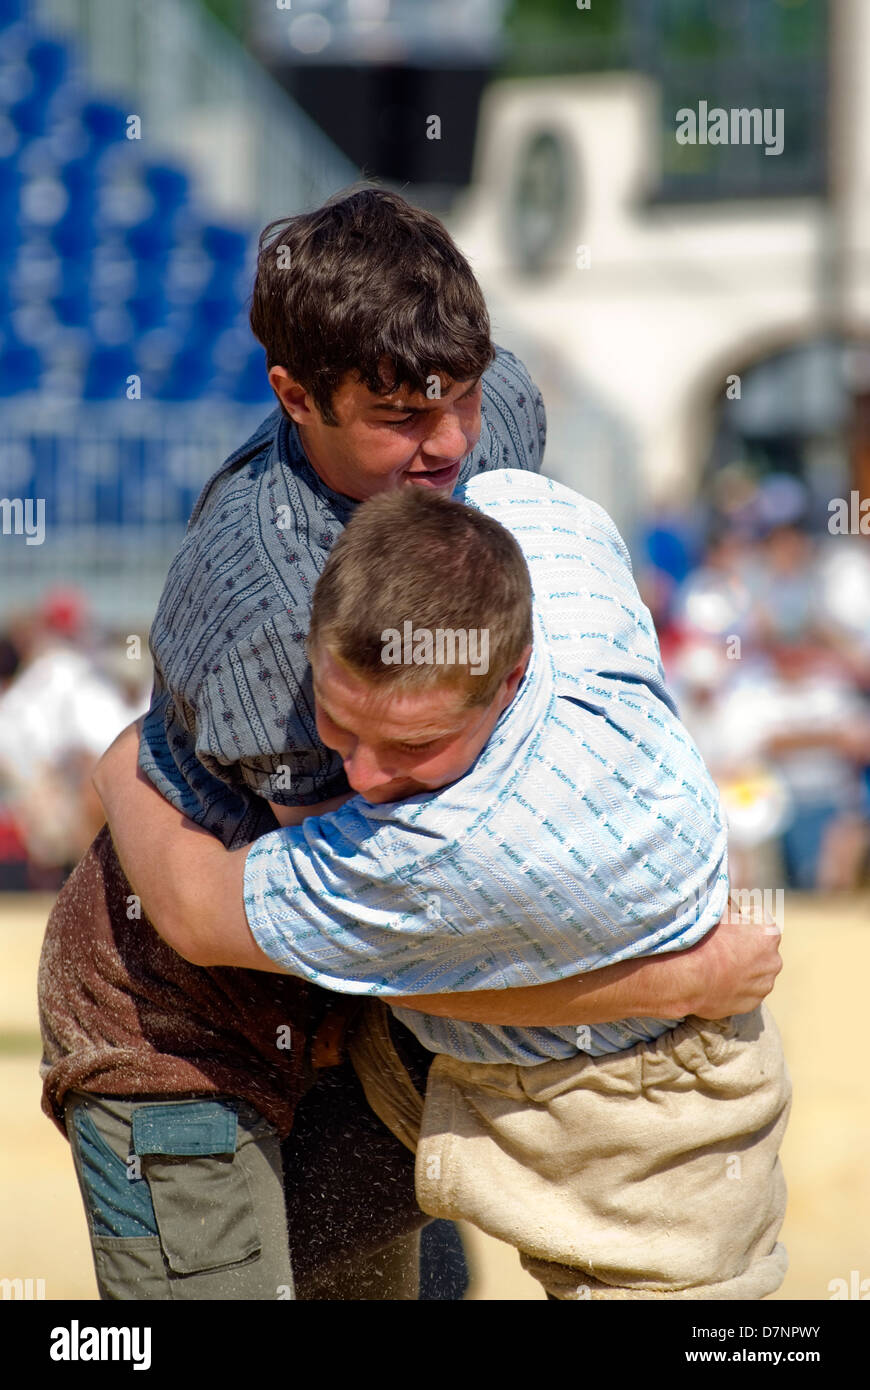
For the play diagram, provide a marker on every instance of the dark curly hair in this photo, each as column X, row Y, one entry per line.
column 367, row 277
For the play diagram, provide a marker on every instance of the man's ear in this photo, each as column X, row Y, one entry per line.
column 293, row 397
column 514, row 676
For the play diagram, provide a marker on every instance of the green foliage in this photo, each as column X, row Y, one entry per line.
column 231, row 14
column 553, row 36
column 555, row 18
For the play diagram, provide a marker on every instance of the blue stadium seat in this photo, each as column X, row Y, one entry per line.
column 148, row 310
column 79, row 182
column 20, row 368
column 150, row 279
column 30, row 116
column 104, row 122
column 193, row 336
column 216, row 310
column 80, row 177
column 225, row 245
column 73, row 306
column 251, row 385
column 49, row 63
column 10, row 12
column 10, row 177
column 190, row 374
column 10, row 191
column 152, row 239
column 107, row 372
column 75, row 235
column 169, row 187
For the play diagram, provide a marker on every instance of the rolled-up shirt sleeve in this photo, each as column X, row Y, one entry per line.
column 328, row 909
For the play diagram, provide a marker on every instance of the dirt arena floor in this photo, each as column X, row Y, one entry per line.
column 819, row 1003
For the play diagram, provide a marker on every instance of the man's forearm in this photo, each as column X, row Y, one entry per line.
column 730, row 971
column 189, row 885
column 660, row 987
column 185, row 889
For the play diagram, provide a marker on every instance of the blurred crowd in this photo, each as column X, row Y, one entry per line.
column 764, row 624
column 67, row 688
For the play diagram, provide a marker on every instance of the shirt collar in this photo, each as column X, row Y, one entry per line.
column 290, row 453
column 524, row 716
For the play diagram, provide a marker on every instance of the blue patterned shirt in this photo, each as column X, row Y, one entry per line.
column 231, row 723
column 587, row 832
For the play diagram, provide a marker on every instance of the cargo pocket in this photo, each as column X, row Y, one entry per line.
column 130, row 1269
column 203, row 1203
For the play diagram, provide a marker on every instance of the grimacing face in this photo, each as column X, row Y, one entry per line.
column 396, row 744
column 385, row 442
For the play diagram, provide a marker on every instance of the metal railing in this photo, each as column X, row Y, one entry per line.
column 117, row 486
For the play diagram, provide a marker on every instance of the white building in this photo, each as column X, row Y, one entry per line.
column 636, row 314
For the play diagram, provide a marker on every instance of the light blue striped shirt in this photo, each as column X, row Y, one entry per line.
column 587, row 832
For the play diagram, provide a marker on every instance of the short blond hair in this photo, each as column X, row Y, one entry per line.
column 412, row 556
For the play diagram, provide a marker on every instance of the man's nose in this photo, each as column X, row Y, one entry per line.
column 365, row 772
column 447, row 439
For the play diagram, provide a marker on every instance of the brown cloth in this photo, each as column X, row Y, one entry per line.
column 122, row 1014
column 388, row 1086
column 647, row 1173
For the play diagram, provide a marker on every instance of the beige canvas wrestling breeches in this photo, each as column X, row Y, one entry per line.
column 648, row 1173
